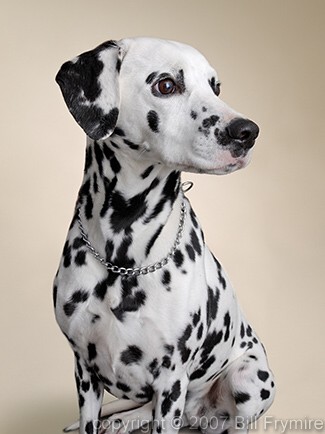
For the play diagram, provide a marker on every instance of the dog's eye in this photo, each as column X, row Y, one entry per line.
column 166, row 86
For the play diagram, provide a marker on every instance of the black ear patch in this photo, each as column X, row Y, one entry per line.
column 89, row 84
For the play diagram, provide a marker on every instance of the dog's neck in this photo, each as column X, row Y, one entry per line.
column 125, row 201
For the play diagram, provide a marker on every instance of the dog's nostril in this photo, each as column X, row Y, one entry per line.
column 243, row 130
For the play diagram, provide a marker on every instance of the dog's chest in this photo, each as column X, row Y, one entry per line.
column 136, row 331
column 132, row 348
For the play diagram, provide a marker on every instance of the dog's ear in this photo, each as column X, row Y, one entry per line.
column 90, row 87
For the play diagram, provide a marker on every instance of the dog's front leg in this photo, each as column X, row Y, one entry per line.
column 168, row 406
column 90, row 393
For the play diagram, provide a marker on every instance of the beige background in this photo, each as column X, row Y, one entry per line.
column 265, row 223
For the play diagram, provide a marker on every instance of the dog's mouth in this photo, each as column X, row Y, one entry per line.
column 222, row 170
column 228, row 164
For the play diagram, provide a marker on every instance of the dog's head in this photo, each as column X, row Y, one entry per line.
column 160, row 98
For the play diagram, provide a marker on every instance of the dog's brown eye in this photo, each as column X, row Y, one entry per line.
column 166, row 86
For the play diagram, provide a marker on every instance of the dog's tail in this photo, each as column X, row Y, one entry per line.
column 117, row 406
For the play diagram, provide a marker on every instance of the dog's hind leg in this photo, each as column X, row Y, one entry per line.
column 242, row 393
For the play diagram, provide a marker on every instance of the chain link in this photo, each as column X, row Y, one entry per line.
column 137, row 270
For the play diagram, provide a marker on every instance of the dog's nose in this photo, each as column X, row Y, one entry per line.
column 244, row 131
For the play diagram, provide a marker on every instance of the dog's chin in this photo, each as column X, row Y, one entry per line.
column 224, row 169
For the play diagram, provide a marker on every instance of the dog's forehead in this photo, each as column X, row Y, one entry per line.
column 149, row 54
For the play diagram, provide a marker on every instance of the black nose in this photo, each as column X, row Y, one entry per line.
column 244, row 131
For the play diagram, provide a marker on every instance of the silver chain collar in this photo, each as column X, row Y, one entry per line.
column 137, row 270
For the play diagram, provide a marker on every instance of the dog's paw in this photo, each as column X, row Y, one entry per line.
column 73, row 427
column 128, row 421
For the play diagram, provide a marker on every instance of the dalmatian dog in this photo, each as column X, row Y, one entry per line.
column 148, row 310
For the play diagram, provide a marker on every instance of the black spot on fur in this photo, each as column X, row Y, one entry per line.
column 95, row 318
column 195, row 242
column 109, row 248
column 99, row 155
column 66, row 255
column 118, row 65
column 115, row 165
column 193, row 114
column 79, row 370
column 224, row 363
column 81, row 400
column 169, row 349
column 131, row 145
column 121, row 254
column 132, row 354
column 199, row 373
column 222, row 280
column 153, row 121
column 196, row 317
column 55, row 294
column 212, row 304
column 153, row 239
column 226, row 322
column 183, row 349
column 178, row 258
column 80, row 258
column 89, row 207
column 265, row 394
column 95, row 183
column 77, row 243
column 199, row 332
column 101, row 287
column 194, row 218
column 241, row 397
column 109, row 188
column 77, row 297
column 190, row 252
column 147, row 172
column 166, row 362
column 146, row 393
column 89, row 158
column 210, row 122
column 154, row 368
column 85, row 386
column 92, row 351
column 169, row 194
column 242, row 331
column 166, row 278
column 131, row 303
column 122, row 386
column 263, row 375
column 209, row 344
column 119, row 132
column 126, row 212
column 170, row 397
